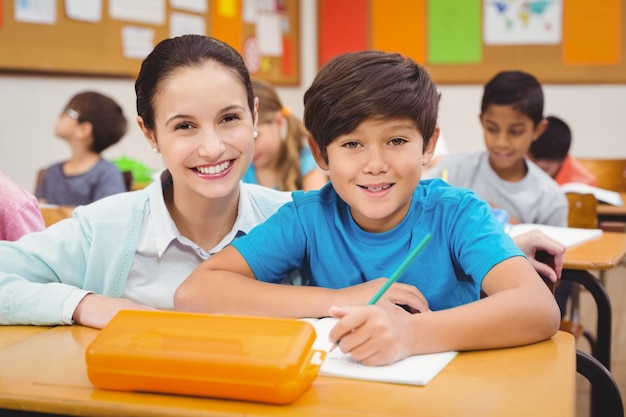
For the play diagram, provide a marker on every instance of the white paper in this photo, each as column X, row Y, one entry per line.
column 269, row 34
column 249, row 11
column 84, row 10
column 144, row 11
column 522, row 22
column 198, row 6
column 137, row 42
column 413, row 370
column 567, row 236
column 183, row 24
column 266, row 5
column 36, row 11
column 605, row 196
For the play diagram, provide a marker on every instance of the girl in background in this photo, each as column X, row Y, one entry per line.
column 282, row 158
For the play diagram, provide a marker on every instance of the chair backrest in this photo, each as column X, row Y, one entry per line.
column 53, row 214
column 611, row 173
column 39, row 178
column 606, row 399
column 128, row 180
column 582, row 211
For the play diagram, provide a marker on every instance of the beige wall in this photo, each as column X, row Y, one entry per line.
column 29, row 106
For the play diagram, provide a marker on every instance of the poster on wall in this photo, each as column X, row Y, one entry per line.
column 513, row 22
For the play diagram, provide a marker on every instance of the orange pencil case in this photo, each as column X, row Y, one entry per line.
column 245, row 358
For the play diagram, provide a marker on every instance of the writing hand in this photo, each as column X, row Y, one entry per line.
column 372, row 335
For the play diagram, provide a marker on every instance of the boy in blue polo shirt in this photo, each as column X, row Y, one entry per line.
column 372, row 120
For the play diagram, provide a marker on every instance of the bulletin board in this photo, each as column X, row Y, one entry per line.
column 82, row 48
column 409, row 28
column 68, row 46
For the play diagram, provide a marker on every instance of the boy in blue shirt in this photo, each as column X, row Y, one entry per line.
column 372, row 120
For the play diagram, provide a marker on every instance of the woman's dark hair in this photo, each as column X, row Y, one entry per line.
column 184, row 51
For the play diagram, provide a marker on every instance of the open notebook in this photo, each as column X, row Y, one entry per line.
column 602, row 195
column 414, row 370
column 568, row 236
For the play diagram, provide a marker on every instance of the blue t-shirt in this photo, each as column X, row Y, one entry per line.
column 307, row 163
column 103, row 180
column 317, row 235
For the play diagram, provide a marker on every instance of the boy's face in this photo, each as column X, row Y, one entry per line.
column 376, row 168
column 508, row 136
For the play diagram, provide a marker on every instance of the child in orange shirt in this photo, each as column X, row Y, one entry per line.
column 551, row 152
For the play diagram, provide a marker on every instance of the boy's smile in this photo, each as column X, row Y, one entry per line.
column 376, row 168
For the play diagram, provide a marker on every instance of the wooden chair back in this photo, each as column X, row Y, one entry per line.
column 611, row 173
column 582, row 211
column 52, row 214
column 582, row 214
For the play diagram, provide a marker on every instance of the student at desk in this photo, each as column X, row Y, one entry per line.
column 131, row 250
column 551, row 153
column 90, row 123
column 512, row 118
column 371, row 115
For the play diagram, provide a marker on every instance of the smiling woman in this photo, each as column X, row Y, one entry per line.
column 195, row 106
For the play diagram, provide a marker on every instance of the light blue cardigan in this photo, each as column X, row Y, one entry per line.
column 93, row 250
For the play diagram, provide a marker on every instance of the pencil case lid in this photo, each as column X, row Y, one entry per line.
column 238, row 357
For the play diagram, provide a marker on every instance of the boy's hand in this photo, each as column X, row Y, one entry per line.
column 544, row 253
column 97, row 310
column 372, row 335
column 398, row 294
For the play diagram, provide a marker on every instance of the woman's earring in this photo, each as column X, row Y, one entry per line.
column 255, row 134
column 155, row 149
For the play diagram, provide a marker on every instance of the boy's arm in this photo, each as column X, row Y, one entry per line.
column 225, row 284
column 519, row 310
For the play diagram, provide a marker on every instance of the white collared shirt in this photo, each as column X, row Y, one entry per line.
column 164, row 258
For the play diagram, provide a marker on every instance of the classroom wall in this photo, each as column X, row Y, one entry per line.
column 30, row 105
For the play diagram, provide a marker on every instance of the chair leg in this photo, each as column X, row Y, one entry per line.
column 606, row 399
column 603, row 305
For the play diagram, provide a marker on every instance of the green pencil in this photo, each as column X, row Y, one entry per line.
column 400, row 269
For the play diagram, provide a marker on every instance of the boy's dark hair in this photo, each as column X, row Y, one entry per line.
column 356, row 86
column 104, row 114
column 184, row 52
column 518, row 89
column 554, row 143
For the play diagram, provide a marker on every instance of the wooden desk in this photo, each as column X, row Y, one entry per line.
column 600, row 254
column 611, row 213
column 44, row 371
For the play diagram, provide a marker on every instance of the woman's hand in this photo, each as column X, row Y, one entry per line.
column 97, row 310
